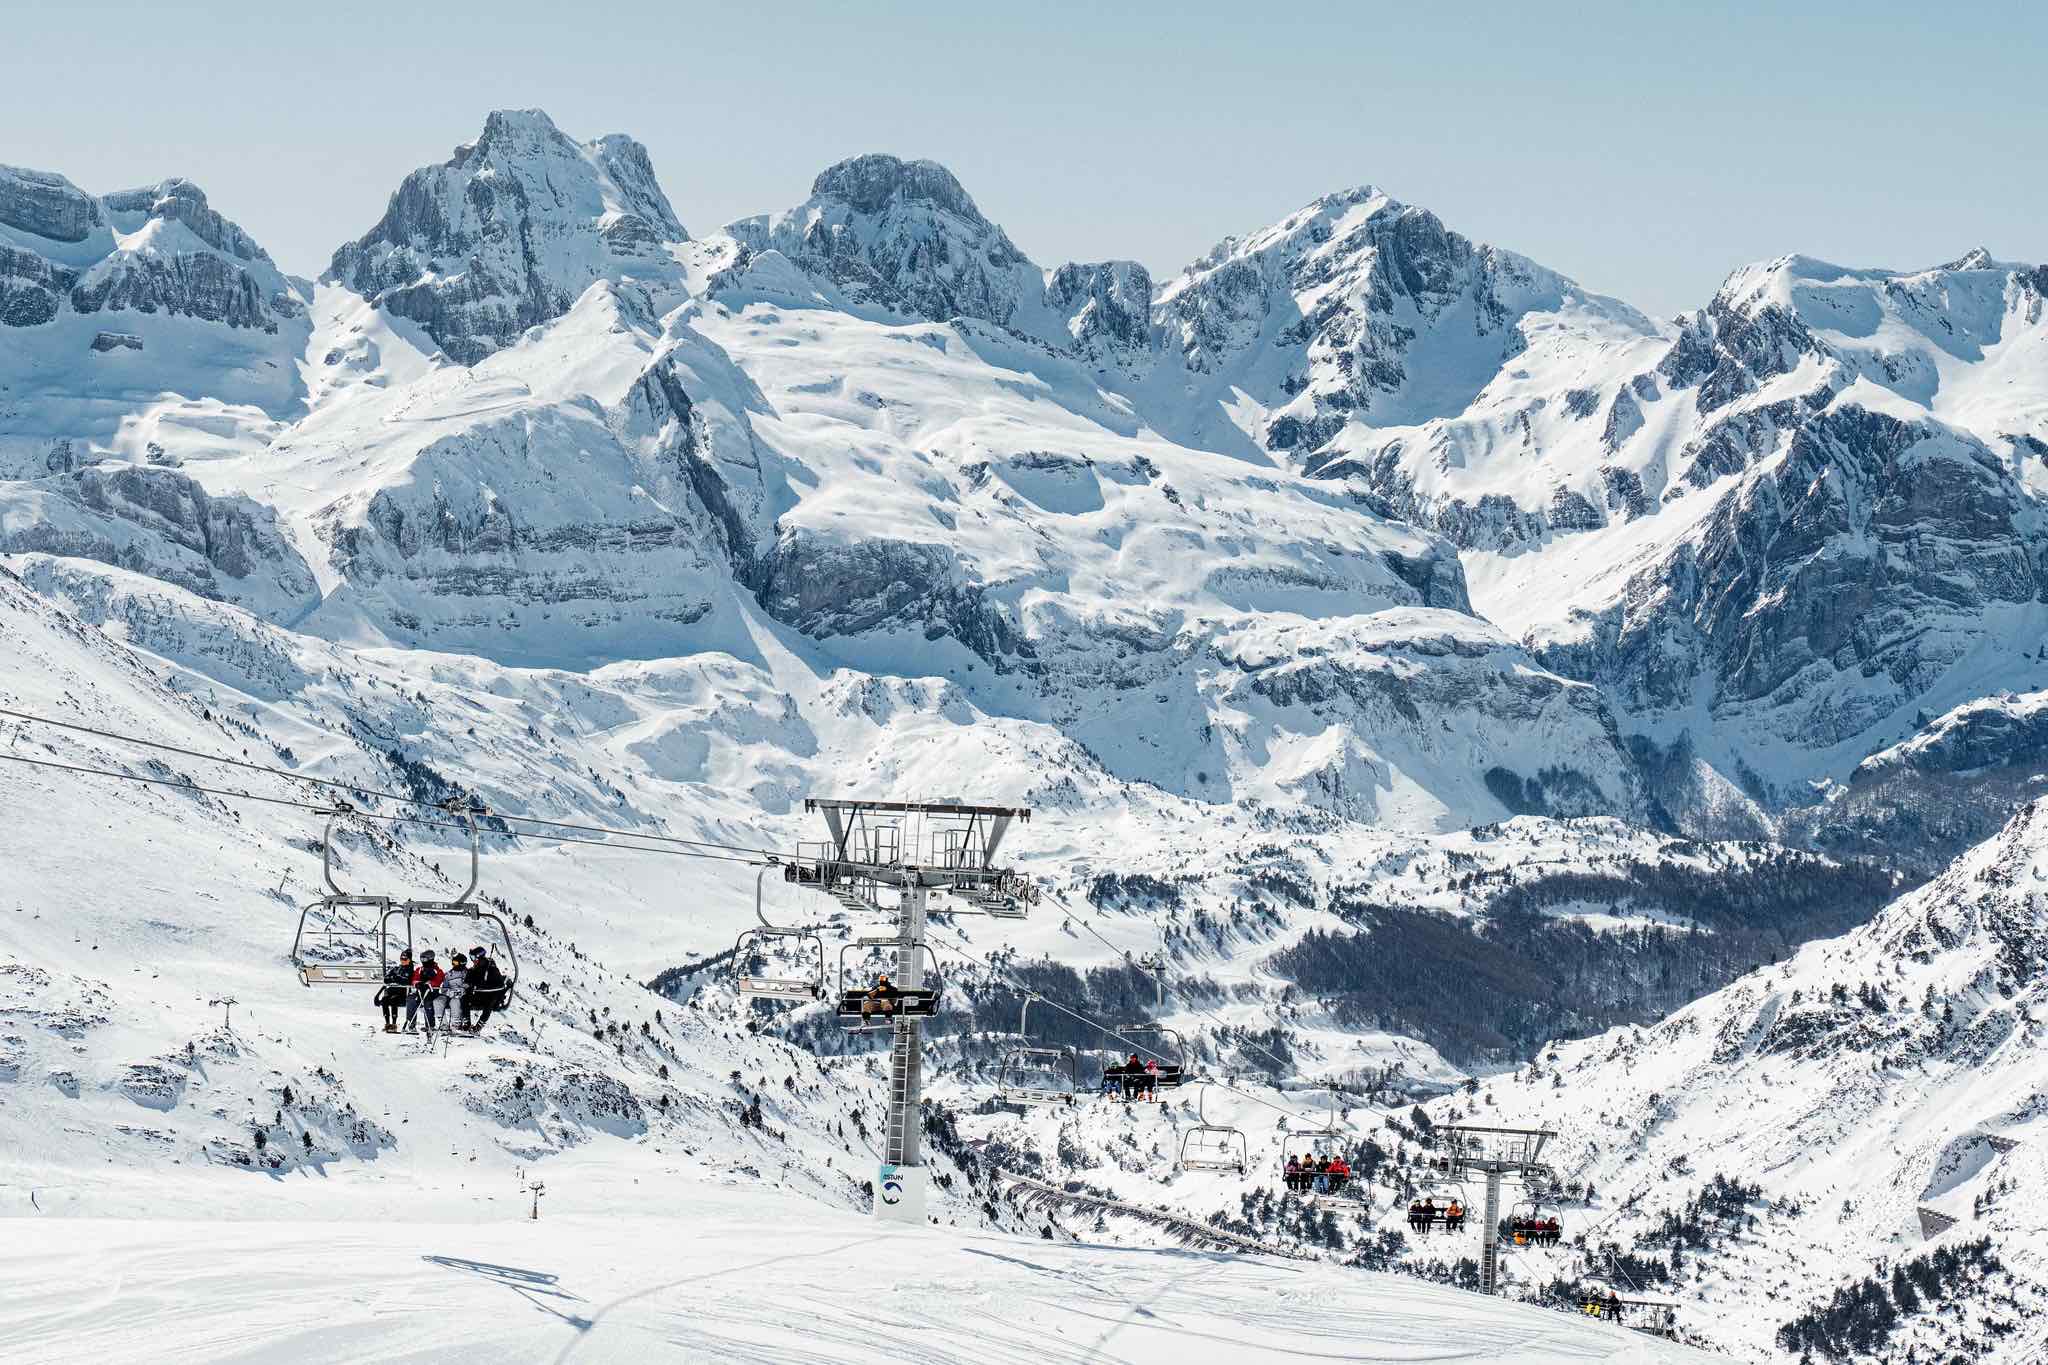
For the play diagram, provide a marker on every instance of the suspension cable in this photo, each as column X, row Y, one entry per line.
column 184, row 784
column 958, row 946
column 373, row 792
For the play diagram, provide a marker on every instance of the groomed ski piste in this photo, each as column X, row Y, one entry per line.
column 674, row 1268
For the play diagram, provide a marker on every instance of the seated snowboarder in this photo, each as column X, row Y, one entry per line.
column 486, row 987
column 397, row 979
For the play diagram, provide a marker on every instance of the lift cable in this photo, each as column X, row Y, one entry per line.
column 354, row 790
column 1068, row 907
column 184, row 784
column 959, row 946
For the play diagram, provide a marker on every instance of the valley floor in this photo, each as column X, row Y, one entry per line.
column 719, row 1275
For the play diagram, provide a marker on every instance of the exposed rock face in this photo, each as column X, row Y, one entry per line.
column 507, row 233
column 161, row 523
column 1826, row 590
column 1107, row 307
column 45, row 204
column 32, row 290
column 197, row 284
column 179, row 256
column 902, row 236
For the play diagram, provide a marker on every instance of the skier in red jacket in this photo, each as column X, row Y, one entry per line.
column 426, row 986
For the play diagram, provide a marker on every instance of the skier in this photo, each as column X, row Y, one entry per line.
column 455, row 990
column 1293, row 1180
column 1340, row 1173
column 1454, row 1216
column 880, row 1000
column 1152, row 1079
column 426, row 985
column 392, row 993
column 486, row 987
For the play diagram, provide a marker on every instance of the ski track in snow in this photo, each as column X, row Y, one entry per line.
column 727, row 1277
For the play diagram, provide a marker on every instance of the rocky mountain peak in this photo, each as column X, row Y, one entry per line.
column 906, row 237
column 45, row 204
column 178, row 200
column 873, row 182
column 509, row 231
column 174, row 255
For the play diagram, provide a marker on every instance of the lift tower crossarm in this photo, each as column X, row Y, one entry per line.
column 865, row 851
column 1496, row 1154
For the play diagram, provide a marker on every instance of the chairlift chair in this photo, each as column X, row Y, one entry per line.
column 921, row 1002
column 1526, row 1211
column 1171, row 1074
column 332, row 948
column 752, row 942
column 1038, row 1075
column 488, row 927
column 1213, row 1146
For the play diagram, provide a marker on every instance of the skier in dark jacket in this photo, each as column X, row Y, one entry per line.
column 486, row 987
column 426, row 986
column 391, row 994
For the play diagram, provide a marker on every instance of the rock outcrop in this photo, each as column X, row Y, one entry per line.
column 507, row 233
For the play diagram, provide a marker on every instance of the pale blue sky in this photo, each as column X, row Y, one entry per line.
column 1644, row 149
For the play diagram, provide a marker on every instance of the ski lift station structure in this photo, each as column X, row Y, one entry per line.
column 909, row 850
column 334, row 948
column 1495, row 1155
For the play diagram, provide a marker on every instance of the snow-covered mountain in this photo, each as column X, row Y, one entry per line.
column 1877, row 1104
column 1366, row 611
column 509, row 231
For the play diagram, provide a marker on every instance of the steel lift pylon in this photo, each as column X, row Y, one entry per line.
column 912, row 849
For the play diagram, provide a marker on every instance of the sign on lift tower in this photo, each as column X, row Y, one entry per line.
column 911, row 850
column 1496, row 1154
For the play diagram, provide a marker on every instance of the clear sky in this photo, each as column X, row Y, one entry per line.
column 1643, row 149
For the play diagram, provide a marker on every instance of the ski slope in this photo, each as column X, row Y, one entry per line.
column 678, row 1272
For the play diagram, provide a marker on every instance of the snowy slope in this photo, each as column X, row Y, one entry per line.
column 737, row 1276
column 1883, row 1091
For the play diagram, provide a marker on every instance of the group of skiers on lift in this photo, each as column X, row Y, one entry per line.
column 1424, row 1214
column 1318, row 1174
column 471, row 982
column 1531, row 1232
column 1132, row 1080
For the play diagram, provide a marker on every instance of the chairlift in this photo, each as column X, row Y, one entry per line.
column 490, row 932
column 753, row 943
column 1038, row 1075
column 861, row 1010
column 1521, row 1226
column 1213, row 1146
column 1170, row 1075
column 332, row 947
column 1326, row 1141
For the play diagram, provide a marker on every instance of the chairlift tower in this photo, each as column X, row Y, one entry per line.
column 914, row 849
column 1496, row 1154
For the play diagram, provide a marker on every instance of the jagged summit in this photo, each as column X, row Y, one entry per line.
column 156, row 250
column 506, row 233
column 906, row 238
column 871, row 182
